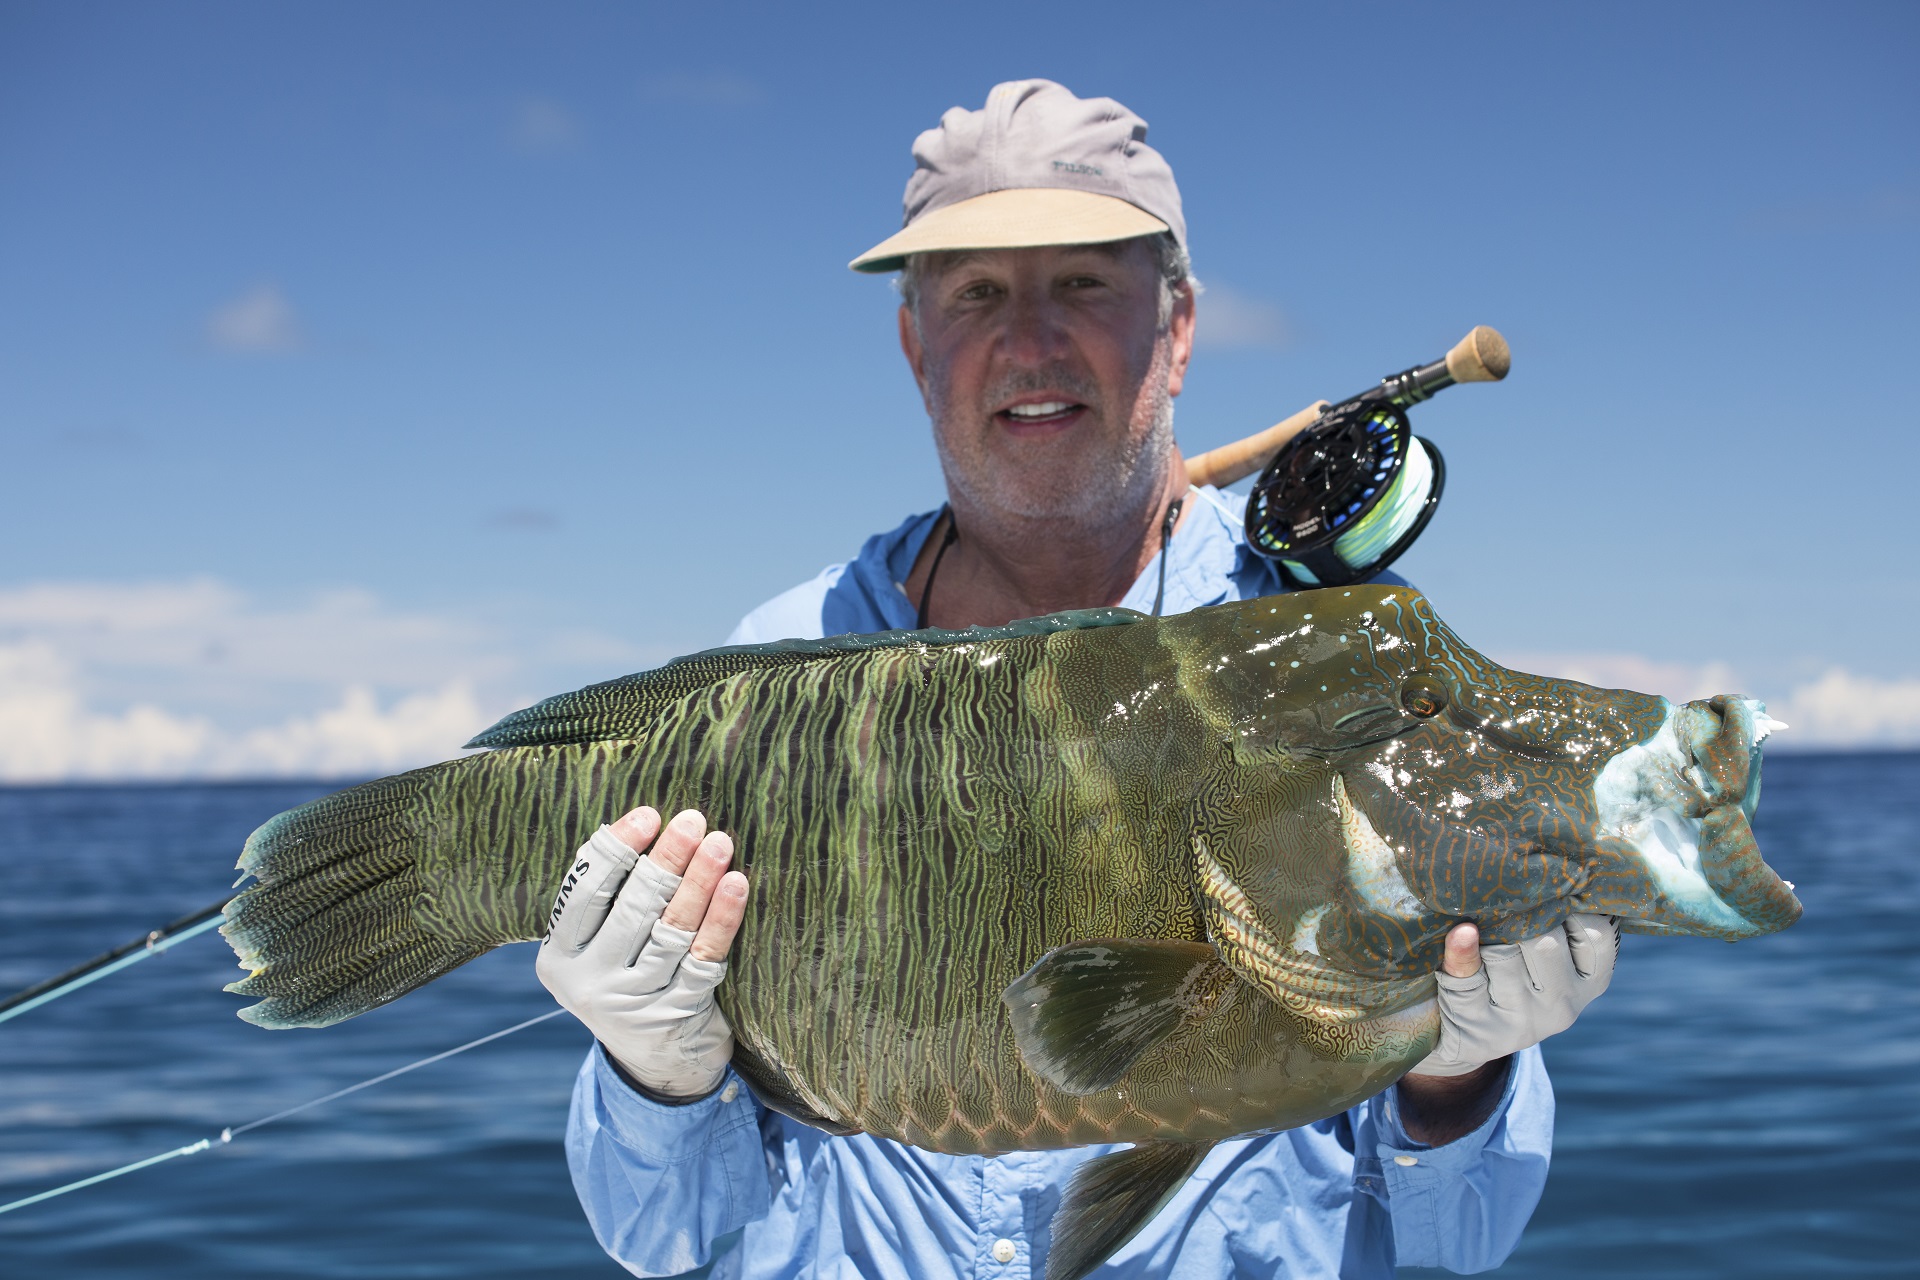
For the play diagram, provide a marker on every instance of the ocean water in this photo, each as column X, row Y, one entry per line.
column 1746, row 1110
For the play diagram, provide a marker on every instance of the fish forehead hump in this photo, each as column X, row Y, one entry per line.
column 1314, row 671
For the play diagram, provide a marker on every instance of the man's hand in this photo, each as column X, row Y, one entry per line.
column 1498, row 1000
column 635, row 947
column 1494, row 1002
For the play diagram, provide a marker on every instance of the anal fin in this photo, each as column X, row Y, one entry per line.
column 1111, row 1197
column 1087, row 1011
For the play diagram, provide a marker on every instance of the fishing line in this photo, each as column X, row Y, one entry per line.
column 187, row 926
column 229, row 1134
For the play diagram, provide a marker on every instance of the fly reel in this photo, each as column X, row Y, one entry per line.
column 1344, row 490
column 1345, row 497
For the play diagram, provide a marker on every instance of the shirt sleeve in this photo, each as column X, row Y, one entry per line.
column 662, row 1184
column 1462, row 1206
column 794, row 613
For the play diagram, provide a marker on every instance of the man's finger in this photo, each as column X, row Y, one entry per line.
column 1593, row 942
column 1462, row 959
column 709, row 863
column 641, row 899
column 637, row 828
column 587, row 890
column 724, row 913
column 674, row 849
column 1509, row 984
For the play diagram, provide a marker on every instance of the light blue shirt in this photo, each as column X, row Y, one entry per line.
column 723, row 1187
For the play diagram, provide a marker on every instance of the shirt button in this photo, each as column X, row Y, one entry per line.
column 731, row 1092
column 1003, row 1251
column 1406, row 1161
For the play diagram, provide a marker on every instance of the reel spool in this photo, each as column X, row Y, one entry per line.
column 1346, row 496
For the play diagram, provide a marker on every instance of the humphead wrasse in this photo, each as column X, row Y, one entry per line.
column 1087, row 878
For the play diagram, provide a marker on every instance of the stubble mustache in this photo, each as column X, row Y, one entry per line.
column 1066, row 385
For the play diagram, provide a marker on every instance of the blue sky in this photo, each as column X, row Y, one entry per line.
column 366, row 369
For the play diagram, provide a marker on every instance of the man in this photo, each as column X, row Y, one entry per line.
column 1048, row 316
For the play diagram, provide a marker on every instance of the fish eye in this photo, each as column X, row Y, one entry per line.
column 1423, row 696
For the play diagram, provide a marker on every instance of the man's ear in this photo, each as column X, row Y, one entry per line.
column 1180, row 331
column 911, row 348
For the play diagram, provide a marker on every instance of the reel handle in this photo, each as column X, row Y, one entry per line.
column 1481, row 356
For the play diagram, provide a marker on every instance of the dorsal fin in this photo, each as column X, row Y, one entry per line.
column 621, row 708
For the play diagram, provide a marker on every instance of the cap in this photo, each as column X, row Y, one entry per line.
column 1035, row 166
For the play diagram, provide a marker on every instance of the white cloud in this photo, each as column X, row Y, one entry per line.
column 1841, row 709
column 48, row 734
column 1227, row 318
column 195, row 679
column 713, row 89
column 259, row 322
column 543, row 125
column 1838, row 709
column 360, row 736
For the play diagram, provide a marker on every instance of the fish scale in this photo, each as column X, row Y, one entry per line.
column 1081, row 879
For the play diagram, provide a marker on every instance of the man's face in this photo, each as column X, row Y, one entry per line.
column 1048, row 375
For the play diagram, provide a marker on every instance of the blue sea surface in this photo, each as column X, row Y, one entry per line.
column 1747, row 1110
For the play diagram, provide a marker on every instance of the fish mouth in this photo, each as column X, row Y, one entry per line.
column 1675, row 834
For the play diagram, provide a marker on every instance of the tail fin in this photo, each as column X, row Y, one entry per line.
column 329, row 930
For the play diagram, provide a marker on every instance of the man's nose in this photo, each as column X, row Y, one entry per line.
column 1035, row 331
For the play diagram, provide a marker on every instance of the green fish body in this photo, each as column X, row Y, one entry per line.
column 1089, row 878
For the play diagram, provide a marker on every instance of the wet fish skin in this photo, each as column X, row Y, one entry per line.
column 946, row 832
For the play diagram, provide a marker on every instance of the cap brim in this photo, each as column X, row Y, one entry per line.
column 1022, row 218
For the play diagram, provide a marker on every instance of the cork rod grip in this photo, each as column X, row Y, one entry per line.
column 1237, row 461
column 1481, row 356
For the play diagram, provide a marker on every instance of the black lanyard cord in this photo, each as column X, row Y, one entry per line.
column 926, row 592
column 1166, row 540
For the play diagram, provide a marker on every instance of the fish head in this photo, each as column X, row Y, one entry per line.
column 1457, row 789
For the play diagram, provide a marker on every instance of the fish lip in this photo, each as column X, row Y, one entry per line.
column 1650, row 800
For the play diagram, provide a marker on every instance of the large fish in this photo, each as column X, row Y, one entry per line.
column 1086, row 878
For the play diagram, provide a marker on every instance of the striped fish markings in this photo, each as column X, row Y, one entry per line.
column 1086, row 878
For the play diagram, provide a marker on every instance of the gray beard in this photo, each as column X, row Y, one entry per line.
column 1114, row 484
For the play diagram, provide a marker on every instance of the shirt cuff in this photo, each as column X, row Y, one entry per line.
column 669, row 1131
column 1451, row 1157
column 1463, row 1205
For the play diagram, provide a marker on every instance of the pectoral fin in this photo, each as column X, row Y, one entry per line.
column 1087, row 1011
column 1111, row 1198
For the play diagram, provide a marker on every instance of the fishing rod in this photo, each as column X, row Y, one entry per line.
column 153, row 943
column 1345, row 488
